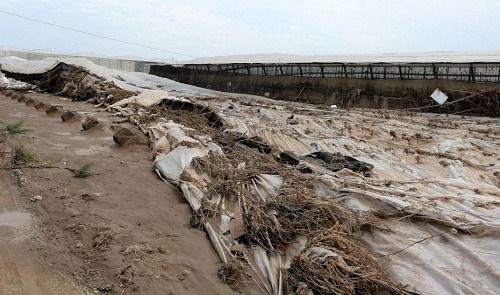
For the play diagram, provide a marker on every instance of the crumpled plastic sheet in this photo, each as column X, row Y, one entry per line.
column 12, row 84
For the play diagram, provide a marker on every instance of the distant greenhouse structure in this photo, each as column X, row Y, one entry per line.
column 467, row 72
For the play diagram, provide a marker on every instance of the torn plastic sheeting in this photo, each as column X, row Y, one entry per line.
column 192, row 195
column 146, row 98
column 217, row 243
column 270, row 267
column 161, row 146
column 449, row 263
column 172, row 165
column 293, row 249
column 131, row 81
column 215, row 149
column 174, row 133
column 320, row 254
column 423, row 211
column 236, row 225
column 393, row 202
column 265, row 186
column 161, row 127
column 325, row 185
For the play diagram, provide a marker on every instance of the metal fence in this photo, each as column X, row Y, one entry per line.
column 468, row 72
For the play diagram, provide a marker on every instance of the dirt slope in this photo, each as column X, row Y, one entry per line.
column 119, row 231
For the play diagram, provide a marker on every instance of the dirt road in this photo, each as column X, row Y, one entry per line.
column 119, row 231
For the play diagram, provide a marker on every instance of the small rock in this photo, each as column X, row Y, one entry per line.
column 68, row 116
column 21, row 97
column 79, row 245
column 36, row 198
column 54, row 109
column 29, row 101
column 125, row 136
column 40, row 105
column 90, row 123
column 162, row 249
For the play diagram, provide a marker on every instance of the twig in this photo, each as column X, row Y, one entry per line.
column 417, row 242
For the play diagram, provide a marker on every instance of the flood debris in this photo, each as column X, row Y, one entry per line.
column 297, row 199
column 335, row 264
column 247, row 198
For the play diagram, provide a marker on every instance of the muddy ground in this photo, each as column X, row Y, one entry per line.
column 120, row 231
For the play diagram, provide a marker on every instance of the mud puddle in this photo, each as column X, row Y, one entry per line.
column 21, row 271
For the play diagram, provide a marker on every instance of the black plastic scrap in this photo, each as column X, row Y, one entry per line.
column 289, row 158
column 254, row 143
column 334, row 162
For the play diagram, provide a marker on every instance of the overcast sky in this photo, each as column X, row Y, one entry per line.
column 225, row 27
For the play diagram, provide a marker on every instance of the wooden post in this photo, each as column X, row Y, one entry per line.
column 472, row 77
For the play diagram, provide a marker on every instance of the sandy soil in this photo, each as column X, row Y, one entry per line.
column 120, row 231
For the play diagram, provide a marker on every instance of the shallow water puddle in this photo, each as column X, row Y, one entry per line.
column 14, row 225
column 14, row 218
column 92, row 150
